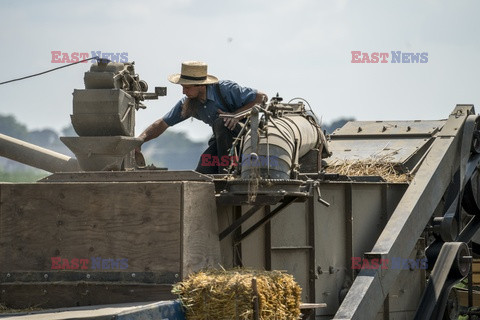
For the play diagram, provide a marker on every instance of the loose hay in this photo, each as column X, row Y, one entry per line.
column 5, row 309
column 370, row 167
column 222, row 294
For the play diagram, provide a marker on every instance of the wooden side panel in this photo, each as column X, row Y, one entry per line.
column 135, row 221
column 201, row 246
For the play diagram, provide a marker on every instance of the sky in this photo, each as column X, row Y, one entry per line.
column 300, row 48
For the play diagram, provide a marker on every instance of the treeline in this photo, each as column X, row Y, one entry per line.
column 172, row 150
column 46, row 138
column 330, row 127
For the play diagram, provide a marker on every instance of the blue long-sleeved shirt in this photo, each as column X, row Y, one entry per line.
column 235, row 96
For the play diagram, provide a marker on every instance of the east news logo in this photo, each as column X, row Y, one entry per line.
column 385, row 57
column 65, row 57
column 59, row 263
column 359, row 263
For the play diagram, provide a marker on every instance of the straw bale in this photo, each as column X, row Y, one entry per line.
column 370, row 167
column 228, row 294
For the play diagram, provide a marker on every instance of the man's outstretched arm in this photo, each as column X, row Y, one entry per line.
column 154, row 130
column 259, row 98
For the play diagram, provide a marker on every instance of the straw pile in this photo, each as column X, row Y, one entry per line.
column 222, row 294
column 370, row 167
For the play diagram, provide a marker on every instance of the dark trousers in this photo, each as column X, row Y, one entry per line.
column 216, row 157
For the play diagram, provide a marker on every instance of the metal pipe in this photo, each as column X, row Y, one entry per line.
column 275, row 156
column 36, row 156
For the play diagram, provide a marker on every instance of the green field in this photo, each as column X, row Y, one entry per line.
column 22, row 176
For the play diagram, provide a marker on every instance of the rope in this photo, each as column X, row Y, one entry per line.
column 67, row 65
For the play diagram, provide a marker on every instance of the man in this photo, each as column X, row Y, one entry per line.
column 205, row 99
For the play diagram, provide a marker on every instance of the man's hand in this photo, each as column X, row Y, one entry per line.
column 139, row 158
column 230, row 123
column 140, row 137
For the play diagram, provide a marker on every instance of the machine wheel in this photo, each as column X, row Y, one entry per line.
column 143, row 86
column 476, row 137
column 451, row 310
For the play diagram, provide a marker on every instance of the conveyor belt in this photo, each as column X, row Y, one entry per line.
column 450, row 267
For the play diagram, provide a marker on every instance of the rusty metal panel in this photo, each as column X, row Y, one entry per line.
column 253, row 253
column 289, row 228
column 290, row 248
column 426, row 128
column 368, row 221
column 392, row 150
column 392, row 141
column 331, row 245
column 296, row 264
column 347, row 228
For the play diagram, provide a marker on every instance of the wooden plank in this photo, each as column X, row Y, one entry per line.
column 476, row 266
column 200, row 244
column 463, row 298
column 476, row 279
column 312, row 305
column 53, row 295
column 308, row 309
column 139, row 222
column 167, row 310
column 124, row 311
column 131, row 311
column 127, row 176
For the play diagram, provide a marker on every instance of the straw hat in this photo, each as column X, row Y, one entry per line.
column 193, row 72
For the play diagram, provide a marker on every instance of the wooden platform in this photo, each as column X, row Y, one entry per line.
column 164, row 310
